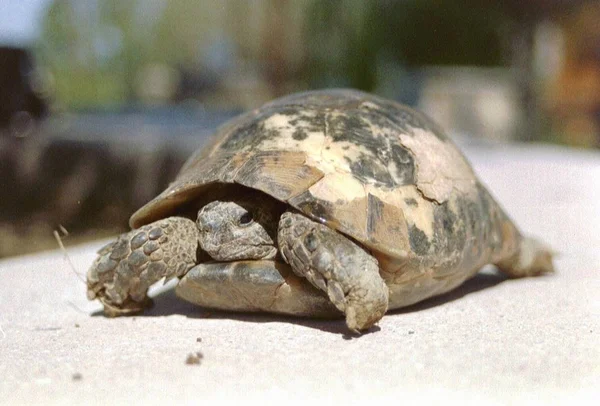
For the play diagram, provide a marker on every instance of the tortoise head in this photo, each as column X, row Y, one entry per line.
column 231, row 232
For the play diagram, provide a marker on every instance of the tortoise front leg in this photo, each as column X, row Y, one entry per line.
column 331, row 262
column 126, row 268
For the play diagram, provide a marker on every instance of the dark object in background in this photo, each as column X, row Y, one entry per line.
column 71, row 172
column 20, row 106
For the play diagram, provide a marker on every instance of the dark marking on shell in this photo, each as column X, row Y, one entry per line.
column 411, row 202
column 405, row 165
column 319, row 209
column 353, row 129
column 474, row 228
column 372, row 166
column 374, row 214
column 449, row 231
column 309, row 120
column 368, row 170
column 492, row 217
column 249, row 134
column 299, row 135
column 403, row 117
column 419, row 242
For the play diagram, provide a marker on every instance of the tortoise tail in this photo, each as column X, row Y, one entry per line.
column 532, row 258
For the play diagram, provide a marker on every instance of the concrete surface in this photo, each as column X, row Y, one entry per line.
column 493, row 340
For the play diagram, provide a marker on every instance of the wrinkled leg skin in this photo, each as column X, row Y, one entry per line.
column 125, row 269
column 336, row 265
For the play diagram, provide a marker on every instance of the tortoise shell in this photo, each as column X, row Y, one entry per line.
column 373, row 169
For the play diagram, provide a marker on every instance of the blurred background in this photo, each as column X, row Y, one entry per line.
column 101, row 101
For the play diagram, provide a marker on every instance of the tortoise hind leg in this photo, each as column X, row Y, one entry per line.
column 513, row 253
column 126, row 268
column 532, row 258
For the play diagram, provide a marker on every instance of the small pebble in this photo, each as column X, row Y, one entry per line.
column 194, row 358
column 77, row 376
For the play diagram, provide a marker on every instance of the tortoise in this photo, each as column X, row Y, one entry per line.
column 325, row 203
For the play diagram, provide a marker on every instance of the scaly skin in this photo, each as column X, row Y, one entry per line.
column 228, row 232
column 126, row 268
column 337, row 266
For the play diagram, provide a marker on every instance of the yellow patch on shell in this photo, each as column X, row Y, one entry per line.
column 440, row 167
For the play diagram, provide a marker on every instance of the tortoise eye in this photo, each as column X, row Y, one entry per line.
column 245, row 219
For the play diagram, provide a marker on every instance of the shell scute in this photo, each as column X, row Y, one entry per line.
column 281, row 174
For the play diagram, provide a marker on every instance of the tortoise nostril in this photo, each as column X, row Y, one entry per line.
column 205, row 226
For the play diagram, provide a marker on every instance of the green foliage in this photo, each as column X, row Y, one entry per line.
column 346, row 37
column 343, row 40
column 95, row 50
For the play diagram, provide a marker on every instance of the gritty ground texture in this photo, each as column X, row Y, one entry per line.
column 493, row 340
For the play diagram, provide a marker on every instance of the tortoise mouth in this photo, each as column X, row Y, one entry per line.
column 202, row 257
column 232, row 251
